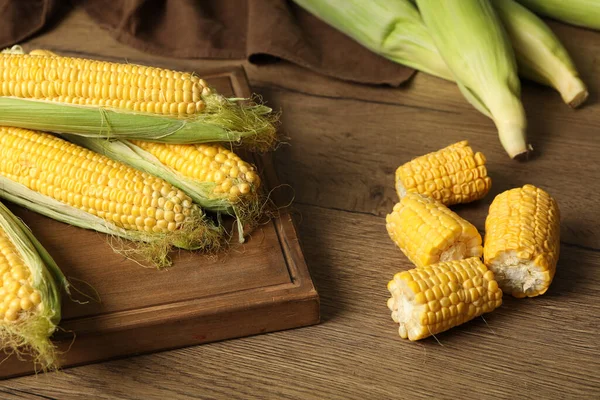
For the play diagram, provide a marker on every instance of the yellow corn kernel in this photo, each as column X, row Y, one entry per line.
column 43, row 75
column 428, row 232
column 419, row 318
column 522, row 240
column 16, row 287
column 207, row 163
column 29, row 149
column 454, row 174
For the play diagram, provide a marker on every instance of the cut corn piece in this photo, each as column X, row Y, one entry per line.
column 522, row 240
column 540, row 54
column 454, row 174
column 473, row 43
column 584, row 13
column 76, row 186
column 30, row 294
column 428, row 232
column 97, row 98
column 429, row 300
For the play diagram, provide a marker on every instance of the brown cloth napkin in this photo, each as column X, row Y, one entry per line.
column 20, row 19
column 262, row 30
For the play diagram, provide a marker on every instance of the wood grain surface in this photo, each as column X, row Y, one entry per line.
column 345, row 143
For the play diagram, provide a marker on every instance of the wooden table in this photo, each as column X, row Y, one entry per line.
column 345, row 143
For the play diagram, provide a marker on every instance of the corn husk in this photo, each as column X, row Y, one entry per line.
column 223, row 120
column 246, row 212
column 585, row 13
column 392, row 29
column 30, row 335
column 476, row 48
column 540, row 54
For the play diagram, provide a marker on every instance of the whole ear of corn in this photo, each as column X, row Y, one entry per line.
column 522, row 240
column 474, row 45
column 584, row 13
column 102, row 99
column 74, row 185
column 454, row 174
column 428, row 232
column 213, row 176
column 540, row 54
column 429, row 300
column 30, row 293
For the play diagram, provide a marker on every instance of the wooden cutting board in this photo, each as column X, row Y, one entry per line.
column 261, row 286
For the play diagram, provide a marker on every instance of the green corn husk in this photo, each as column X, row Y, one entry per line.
column 223, row 120
column 392, row 29
column 585, row 13
column 476, row 48
column 540, row 54
column 30, row 334
column 246, row 213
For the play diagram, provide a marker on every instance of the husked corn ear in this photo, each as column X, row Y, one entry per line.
column 17, row 295
column 428, row 232
column 454, row 174
column 48, row 92
column 47, row 76
column 119, row 194
column 429, row 300
column 232, row 176
column 522, row 240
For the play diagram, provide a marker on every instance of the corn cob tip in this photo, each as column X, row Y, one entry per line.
column 576, row 94
column 248, row 122
column 513, row 139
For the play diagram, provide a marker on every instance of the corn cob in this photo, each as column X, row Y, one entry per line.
column 522, row 240
column 428, row 232
column 429, row 300
column 232, row 176
column 540, row 54
column 213, row 176
column 584, row 13
column 76, row 186
column 47, row 92
column 454, row 174
column 474, row 45
column 30, row 297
